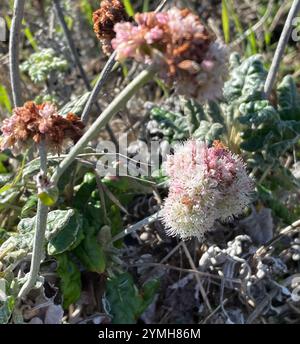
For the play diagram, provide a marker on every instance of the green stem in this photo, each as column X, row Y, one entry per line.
column 116, row 105
column 39, row 235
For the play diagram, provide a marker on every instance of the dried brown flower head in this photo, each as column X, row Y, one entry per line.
column 105, row 18
column 33, row 123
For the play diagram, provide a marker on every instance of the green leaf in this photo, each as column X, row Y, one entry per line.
column 4, row 99
column 194, row 113
column 278, row 208
column 30, row 37
column 146, row 5
column 235, row 17
column 90, row 252
column 208, row 132
column 3, row 169
column 16, row 179
column 128, row 7
column 64, row 231
column 225, row 21
column 252, row 42
column 6, row 309
column 83, row 194
column 148, row 292
column 254, row 140
column 40, row 65
column 75, row 106
column 258, row 112
column 3, row 235
column 288, row 99
column 70, row 279
column 29, row 207
column 247, row 80
column 8, row 197
column 214, row 112
column 126, row 302
column 87, row 10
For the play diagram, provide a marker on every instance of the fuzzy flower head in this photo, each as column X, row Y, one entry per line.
column 206, row 184
column 190, row 58
column 33, row 123
column 109, row 13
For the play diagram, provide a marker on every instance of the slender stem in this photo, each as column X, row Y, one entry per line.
column 193, row 266
column 39, row 235
column 285, row 35
column 161, row 5
column 14, row 41
column 96, row 90
column 70, row 42
column 137, row 226
column 116, row 105
column 77, row 61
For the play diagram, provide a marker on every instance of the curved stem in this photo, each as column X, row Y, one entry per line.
column 14, row 41
column 285, row 35
column 39, row 235
column 116, row 105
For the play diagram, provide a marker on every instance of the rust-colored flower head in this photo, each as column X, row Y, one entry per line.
column 190, row 58
column 33, row 123
column 105, row 18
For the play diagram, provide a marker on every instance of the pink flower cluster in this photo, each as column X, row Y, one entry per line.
column 189, row 57
column 206, row 184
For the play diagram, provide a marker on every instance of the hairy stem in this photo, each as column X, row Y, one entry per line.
column 116, row 105
column 77, row 61
column 285, row 35
column 39, row 235
column 14, row 41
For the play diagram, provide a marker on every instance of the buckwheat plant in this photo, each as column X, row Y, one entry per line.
column 174, row 45
column 39, row 126
column 189, row 56
column 206, row 184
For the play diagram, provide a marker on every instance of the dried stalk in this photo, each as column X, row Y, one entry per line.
column 285, row 35
column 199, row 282
column 14, row 41
column 137, row 226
